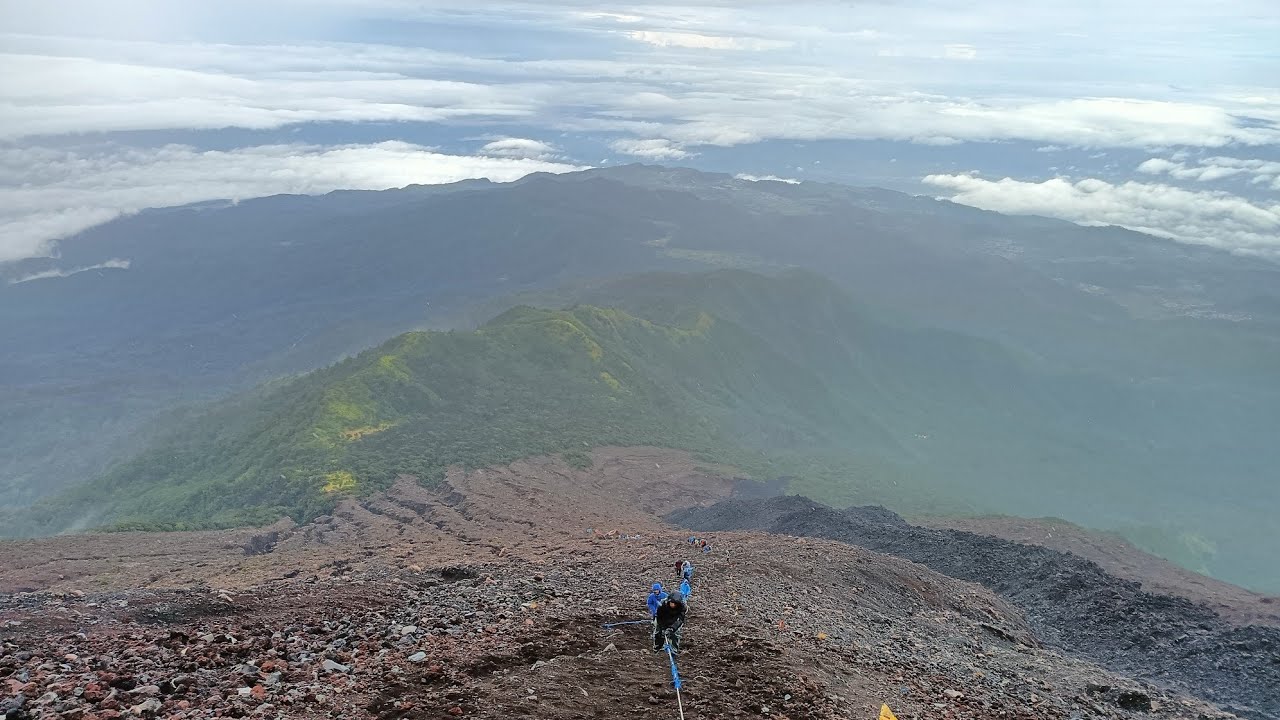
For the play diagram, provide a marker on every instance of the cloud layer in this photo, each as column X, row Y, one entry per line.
column 666, row 80
column 74, row 190
column 60, row 87
column 520, row 148
column 112, row 264
column 1216, row 219
column 1263, row 173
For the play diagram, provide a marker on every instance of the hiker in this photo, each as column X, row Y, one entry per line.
column 668, row 621
column 685, row 590
column 686, row 570
column 656, row 596
column 706, row 546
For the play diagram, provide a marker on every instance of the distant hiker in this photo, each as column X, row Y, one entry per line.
column 706, row 546
column 668, row 621
column 656, row 596
column 685, row 589
column 686, row 570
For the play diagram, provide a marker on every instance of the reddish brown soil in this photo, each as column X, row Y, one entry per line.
column 486, row 599
column 530, row 509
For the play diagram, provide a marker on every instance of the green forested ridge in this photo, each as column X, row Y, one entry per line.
column 984, row 363
column 762, row 391
column 779, row 375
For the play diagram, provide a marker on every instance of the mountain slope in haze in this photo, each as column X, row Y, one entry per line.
column 778, row 375
column 977, row 424
column 1160, row 395
column 530, row 382
column 187, row 304
column 219, row 298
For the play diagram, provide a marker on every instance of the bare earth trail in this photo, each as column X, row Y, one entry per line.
column 485, row 598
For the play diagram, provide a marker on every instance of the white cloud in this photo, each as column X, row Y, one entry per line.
column 652, row 149
column 766, row 178
column 45, row 95
column 520, row 148
column 959, row 51
column 1261, row 172
column 1217, row 219
column 1155, row 166
column 73, row 190
column 666, row 76
column 112, row 264
column 30, row 232
column 615, row 17
column 63, row 86
column 669, row 39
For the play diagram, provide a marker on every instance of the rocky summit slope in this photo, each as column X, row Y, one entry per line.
column 1121, row 558
column 1070, row 602
column 486, row 598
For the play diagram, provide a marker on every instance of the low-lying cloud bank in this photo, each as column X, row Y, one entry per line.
column 663, row 81
column 59, row 85
column 1216, row 219
column 47, row 194
column 112, row 264
column 1264, row 173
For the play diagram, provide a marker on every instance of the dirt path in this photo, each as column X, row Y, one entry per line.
column 485, row 599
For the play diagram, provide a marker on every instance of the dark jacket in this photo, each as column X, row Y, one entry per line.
column 672, row 617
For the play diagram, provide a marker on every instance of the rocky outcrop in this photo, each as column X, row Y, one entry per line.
column 1071, row 603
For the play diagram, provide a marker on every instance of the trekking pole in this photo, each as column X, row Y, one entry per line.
column 675, row 677
column 627, row 622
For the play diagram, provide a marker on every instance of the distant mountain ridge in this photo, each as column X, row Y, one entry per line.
column 778, row 375
column 1173, row 351
column 530, row 382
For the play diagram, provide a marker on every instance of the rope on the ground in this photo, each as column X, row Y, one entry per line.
column 675, row 677
column 627, row 622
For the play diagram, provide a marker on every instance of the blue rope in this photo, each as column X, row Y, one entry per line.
column 675, row 672
column 675, row 677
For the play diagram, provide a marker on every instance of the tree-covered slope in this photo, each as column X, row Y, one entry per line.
column 777, row 375
column 531, row 381
column 217, row 298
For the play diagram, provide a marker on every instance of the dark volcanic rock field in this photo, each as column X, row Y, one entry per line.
column 1071, row 603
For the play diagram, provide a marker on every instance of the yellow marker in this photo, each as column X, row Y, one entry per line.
column 886, row 713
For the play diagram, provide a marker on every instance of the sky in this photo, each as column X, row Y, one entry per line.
column 1158, row 115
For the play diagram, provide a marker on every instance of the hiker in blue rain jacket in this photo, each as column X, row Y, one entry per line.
column 656, row 596
column 686, row 570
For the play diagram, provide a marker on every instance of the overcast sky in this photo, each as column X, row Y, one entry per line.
column 1162, row 115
